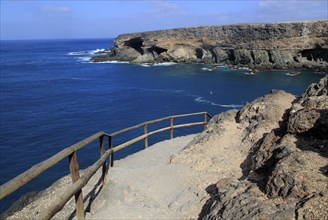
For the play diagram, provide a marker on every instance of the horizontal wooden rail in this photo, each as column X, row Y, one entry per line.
column 80, row 181
column 137, row 139
column 155, row 121
column 125, row 144
column 39, row 168
column 190, row 114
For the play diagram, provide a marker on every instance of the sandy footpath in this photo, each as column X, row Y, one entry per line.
column 145, row 185
column 169, row 179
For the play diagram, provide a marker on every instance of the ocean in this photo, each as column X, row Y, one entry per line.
column 53, row 96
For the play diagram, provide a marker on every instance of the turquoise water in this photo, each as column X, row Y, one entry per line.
column 52, row 97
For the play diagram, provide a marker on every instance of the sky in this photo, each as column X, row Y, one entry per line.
column 50, row 19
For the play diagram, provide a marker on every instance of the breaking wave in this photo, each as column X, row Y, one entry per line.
column 205, row 101
column 293, row 73
column 84, row 59
column 97, row 51
column 113, row 61
column 157, row 64
column 91, row 52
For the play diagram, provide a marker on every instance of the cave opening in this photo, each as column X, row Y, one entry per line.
column 199, row 53
column 317, row 54
column 157, row 50
column 309, row 57
column 231, row 56
column 135, row 43
column 271, row 57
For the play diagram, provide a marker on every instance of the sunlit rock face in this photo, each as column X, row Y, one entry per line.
column 264, row 46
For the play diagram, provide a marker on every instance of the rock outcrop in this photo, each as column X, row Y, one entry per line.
column 263, row 46
column 285, row 175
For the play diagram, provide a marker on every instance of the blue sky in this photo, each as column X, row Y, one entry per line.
column 46, row 19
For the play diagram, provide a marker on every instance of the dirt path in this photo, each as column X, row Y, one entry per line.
column 145, row 185
column 168, row 180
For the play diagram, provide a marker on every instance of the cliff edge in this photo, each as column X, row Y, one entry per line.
column 262, row 46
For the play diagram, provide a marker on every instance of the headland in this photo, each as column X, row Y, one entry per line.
column 288, row 45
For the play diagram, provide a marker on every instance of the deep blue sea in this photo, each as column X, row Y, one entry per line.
column 52, row 96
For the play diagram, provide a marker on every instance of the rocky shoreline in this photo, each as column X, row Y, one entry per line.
column 268, row 160
column 290, row 45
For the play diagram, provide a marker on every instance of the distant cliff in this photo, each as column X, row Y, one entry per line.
column 264, row 46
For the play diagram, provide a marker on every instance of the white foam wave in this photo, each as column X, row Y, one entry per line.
column 84, row 59
column 78, row 53
column 293, row 73
column 164, row 64
column 249, row 73
column 205, row 101
column 113, row 62
column 244, row 68
column 145, row 65
column 97, row 51
column 157, row 64
column 91, row 52
column 209, row 68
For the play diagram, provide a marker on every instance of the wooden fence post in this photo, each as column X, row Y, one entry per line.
column 111, row 155
column 146, row 132
column 74, row 169
column 205, row 120
column 102, row 151
column 171, row 129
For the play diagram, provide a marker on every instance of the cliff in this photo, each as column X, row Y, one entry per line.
column 276, row 45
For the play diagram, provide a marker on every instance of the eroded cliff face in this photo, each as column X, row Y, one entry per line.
column 276, row 45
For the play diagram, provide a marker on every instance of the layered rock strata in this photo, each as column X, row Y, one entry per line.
column 263, row 46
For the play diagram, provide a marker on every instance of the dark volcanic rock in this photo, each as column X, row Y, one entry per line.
column 310, row 114
column 287, row 169
column 276, row 45
column 242, row 200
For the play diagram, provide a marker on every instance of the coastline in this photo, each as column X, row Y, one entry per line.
column 282, row 46
column 262, row 161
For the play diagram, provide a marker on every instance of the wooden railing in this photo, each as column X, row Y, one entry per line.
column 71, row 153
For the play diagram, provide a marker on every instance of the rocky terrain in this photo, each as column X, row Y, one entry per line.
column 285, row 175
column 287, row 45
column 268, row 160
